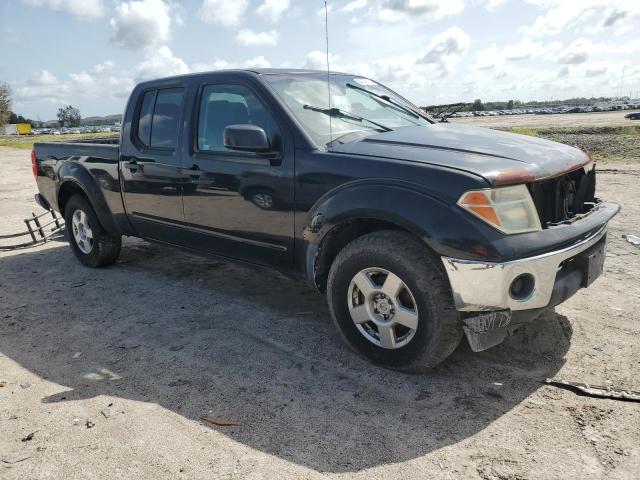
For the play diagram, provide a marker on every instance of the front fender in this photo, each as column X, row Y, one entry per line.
column 444, row 227
column 73, row 174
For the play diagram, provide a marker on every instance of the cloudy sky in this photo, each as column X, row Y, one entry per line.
column 91, row 52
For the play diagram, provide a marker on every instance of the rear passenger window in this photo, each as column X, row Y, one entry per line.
column 146, row 112
column 159, row 118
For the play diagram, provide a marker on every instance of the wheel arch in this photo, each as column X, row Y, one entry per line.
column 74, row 179
column 339, row 218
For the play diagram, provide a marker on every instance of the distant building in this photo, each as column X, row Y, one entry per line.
column 16, row 129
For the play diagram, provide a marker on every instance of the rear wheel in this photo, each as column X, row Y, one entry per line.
column 90, row 243
column 392, row 303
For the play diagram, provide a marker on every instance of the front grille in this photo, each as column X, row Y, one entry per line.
column 560, row 199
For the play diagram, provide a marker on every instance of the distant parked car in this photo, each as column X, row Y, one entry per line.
column 633, row 116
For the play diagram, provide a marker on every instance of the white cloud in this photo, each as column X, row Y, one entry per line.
column 488, row 58
column 249, row 38
column 141, row 23
column 160, row 63
column 42, row 78
column 572, row 58
column 493, row 5
column 219, row 64
column 102, row 80
column 595, row 69
column 446, row 49
column 317, row 60
column 578, row 52
column 399, row 10
column 86, row 9
column 586, row 16
column 522, row 50
column 273, row 9
column 354, row 5
column 223, row 12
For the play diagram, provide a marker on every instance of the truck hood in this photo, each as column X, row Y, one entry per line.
column 502, row 158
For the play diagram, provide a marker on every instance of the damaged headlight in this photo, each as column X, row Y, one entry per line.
column 509, row 209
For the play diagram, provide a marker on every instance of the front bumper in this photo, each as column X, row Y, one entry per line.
column 485, row 286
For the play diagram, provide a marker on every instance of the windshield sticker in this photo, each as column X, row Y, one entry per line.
column 365, row 81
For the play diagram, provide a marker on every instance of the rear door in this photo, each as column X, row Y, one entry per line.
column 152, row 180
column 240, row 204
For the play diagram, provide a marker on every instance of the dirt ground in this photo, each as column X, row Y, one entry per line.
column 110, row 370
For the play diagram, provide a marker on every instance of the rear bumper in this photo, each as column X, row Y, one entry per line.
column 485, row 286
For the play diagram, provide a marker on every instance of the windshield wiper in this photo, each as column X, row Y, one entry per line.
column 338, row 113
column 388, row 99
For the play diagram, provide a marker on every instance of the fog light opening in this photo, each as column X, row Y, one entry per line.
column 522, row 287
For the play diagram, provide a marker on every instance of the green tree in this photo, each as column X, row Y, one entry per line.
column 5, row 103
column 477, row 104
column 69, row 116
column 510, row 105
column 14, row 118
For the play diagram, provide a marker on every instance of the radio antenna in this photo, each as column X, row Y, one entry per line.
column 326, row 34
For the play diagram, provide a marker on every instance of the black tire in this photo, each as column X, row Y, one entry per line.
column 105, row 248
column 439, row 329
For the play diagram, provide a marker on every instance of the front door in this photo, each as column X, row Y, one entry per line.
column 152, row 178
column 240, row 204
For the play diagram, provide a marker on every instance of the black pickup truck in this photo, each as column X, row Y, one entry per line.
column 418, row 231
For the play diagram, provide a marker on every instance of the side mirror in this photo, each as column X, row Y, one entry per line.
column 246, row 138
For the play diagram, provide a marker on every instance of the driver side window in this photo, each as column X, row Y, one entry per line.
column 224, row 105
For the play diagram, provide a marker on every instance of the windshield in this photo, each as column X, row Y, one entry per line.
column 358, row 105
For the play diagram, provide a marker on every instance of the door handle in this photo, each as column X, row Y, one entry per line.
column 194, row 171
column 132, row 166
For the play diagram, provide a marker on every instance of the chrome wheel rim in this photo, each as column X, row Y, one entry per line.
column 82, row 233
column 263, row 200
column 383, row 308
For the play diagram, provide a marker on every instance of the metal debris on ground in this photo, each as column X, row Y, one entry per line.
column 220, row 422
column 77, row 355
column 106, row 412
column 633, row 239
column 38, row 231
column 25, row 385
column 11, row 461
column 29, row 437
column 90, row 424
column 3, row 384
column 597, row 391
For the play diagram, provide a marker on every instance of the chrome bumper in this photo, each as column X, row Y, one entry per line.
column 481, row 286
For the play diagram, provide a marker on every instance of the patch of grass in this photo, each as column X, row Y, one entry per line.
column 532, row 132
column 26, row 142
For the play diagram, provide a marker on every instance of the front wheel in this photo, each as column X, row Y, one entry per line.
column 392, row 303
column 90, row 243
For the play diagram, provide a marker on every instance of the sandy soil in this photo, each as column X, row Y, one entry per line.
column 165, row 337
column 597, row 119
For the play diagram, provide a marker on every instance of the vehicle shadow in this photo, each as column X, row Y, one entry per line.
column 197, row 335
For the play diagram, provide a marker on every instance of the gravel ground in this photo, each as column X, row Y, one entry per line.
column 105, row 373
column 603, row 146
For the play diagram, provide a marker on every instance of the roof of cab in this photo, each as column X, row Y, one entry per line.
column 258, row 71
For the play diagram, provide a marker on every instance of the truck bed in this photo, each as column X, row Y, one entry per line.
column 105, row 148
